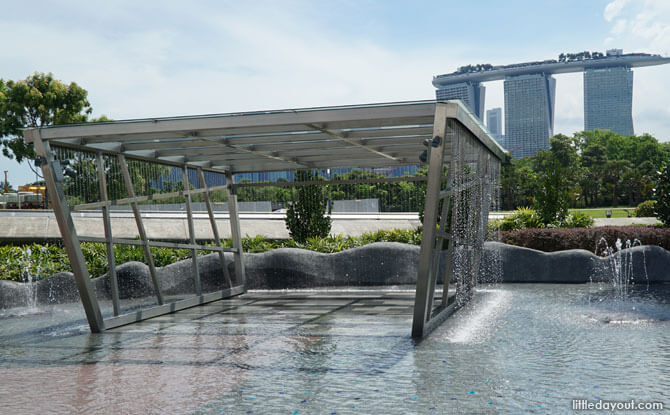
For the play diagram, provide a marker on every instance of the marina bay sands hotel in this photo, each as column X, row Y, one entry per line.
column 530, row 91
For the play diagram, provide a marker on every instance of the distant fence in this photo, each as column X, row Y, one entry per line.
column 265, row 206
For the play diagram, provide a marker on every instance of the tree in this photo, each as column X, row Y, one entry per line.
column 2, row 186
column 662, row 194
column 555, row 169
column 518, row 180
column 38, row 101
column 594, row 158
column 305, row 217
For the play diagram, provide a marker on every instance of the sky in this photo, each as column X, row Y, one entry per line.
column 166, row 58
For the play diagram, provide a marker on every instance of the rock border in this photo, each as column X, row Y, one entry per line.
column 382, row 263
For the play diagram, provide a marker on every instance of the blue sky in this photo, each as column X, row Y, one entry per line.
column 151, row 58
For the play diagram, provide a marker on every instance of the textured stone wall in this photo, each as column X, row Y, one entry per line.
column 385, row 263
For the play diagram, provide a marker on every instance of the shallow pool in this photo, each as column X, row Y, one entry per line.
column 514, row 349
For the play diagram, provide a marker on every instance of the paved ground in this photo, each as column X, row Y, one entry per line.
column 40, row 225
column 624, row 221
column 188, row 361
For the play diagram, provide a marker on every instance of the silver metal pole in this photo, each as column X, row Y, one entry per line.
column 140, row 227
column 424, row 282
column 235, row 229
column 53, row 176
column 215, row 229
column 191, row 231
column 107, row 223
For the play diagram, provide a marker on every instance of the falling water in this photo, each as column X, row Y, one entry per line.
column 618, row 267
column 29, row 278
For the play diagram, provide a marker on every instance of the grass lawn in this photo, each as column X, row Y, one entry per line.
column 620, row 212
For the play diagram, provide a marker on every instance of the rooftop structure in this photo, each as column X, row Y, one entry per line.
column 488, row 73
column 608, row 86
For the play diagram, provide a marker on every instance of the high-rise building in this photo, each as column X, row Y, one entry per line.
column 529, row 93
column 471, row 93
column 529, row 113
column 608, row 99
column 494, row 124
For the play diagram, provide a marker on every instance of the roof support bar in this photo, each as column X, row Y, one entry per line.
column 233, row 213
column 191, row 233
column 140, row 228
column 107, row 224
column 352, row 142
column 425, row 283
column 215, row 229
column 53, row 175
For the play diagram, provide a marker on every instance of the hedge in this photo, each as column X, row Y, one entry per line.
column 38, row 260
column 550, row 240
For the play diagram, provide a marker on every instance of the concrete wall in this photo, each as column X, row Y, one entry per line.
column 21, row 227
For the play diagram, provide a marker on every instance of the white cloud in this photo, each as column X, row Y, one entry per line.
column 620, row 27
column 613, row 9
column 238, row 60
column 647, row 29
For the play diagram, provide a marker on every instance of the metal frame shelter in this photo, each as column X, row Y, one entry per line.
column 360, row 136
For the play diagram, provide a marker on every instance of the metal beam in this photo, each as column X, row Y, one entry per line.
column 350, row 141
column 235, row 233
column 172, row 307
column 425, row 288
column 107, row 224
column 191, row 232
column 53, row 176
column 215, row 228
column 140, row 228
column 330, row 118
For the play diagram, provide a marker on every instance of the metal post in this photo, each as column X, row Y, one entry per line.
column 215, row 229
column 235, row 229
column 53, row 176
column 453, row 165
column 191, row 230
column 107, row 224
column 140, row 227
column 425, row 283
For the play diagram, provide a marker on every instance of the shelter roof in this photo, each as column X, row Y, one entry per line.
column 369, row 135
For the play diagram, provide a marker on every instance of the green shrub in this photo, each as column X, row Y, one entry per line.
column 646, row 209
column 662, row 194
column 528, row 218
column 550, row 240
column 306, row 214
column 257, row 243
column 45, row 260
column 576, row 220
column 524, row 217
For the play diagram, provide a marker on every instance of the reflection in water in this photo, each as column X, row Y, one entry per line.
column 513, row 349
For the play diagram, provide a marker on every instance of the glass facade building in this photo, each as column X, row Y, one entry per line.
column 471, row 93
column 608, row 99
column 494, row 124
column 529, row 113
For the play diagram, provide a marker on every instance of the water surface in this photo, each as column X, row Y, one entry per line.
column 514, row 349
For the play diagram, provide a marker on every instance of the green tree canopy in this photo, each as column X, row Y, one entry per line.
column 594, row 168
column 306, row 215
column 37, row 101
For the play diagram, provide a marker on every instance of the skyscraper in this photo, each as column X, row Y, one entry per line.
column 529, row 113
column 608, row 99
column 471, row 93
column 494, row 124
